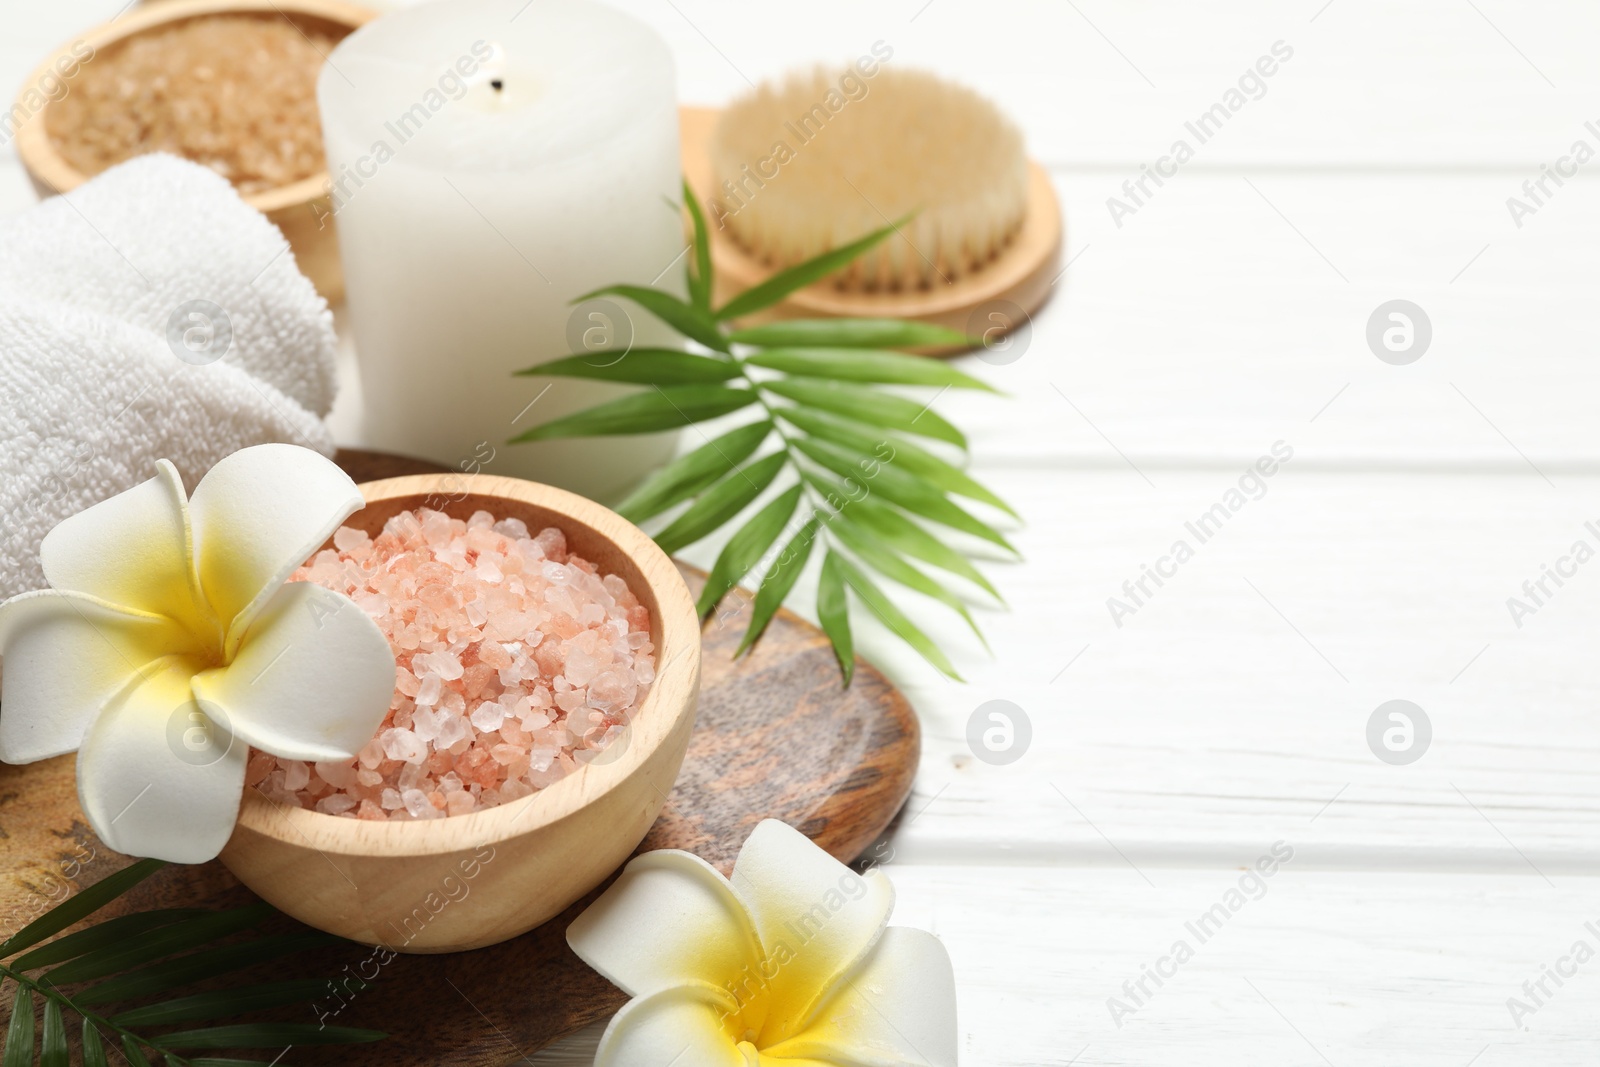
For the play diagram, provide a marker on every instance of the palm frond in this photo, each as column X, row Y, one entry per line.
column 831, row 394
column 128, row 960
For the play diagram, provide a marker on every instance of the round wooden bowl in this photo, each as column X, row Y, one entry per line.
column 466, row 881
column 301, row 209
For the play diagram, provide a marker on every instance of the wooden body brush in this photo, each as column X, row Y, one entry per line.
column 795, row 169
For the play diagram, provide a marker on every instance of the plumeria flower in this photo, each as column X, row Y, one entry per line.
column 169, row 622
column 789, row 964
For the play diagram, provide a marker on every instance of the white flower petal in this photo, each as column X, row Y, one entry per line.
column 257, row 515
column 812, row 912
column 133, row 550
column 679, row 1027
column 66, row 655
column 312, row 679
column 897, row 1009
column 156, row 779
column 668, row 920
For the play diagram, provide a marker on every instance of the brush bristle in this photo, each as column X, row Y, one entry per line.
column 828, row 156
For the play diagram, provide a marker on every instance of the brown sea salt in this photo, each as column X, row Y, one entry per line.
column 516, row 661
column 237, row 93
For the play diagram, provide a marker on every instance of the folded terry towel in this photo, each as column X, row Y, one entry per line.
column 148, row 314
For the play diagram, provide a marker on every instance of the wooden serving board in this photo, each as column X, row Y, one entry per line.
column 776, row 737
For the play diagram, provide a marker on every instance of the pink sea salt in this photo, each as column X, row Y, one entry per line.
column 515, row 662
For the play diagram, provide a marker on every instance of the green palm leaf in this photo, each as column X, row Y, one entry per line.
column 153, row 944
column 222, row 1003
column 721, row 502
column 700, row 278
column 136, row 1056
column 896, row 569
column 856, row 437
column 895, row 619
column 639, row 366
column 143, row 940
column 851, row 333
column 693, row 322
column 693, row 471
column 266, row 1035
column 900, row 488
column 94, row 1050
column 868, row 405
column 53, row 1047
column 779, row 580
column 745, row 548
column 816, row 376
column 19, row 1034
column 901, row 534
column 198, row 966
column 78, row 906
column 833, row 613
column 864, row 365
column 801, row 275
column 661, row 408
column 100, row 935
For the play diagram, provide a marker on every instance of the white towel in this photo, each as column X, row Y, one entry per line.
column 93, row 391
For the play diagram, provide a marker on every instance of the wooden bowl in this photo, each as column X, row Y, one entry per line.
column 302, row 209
column 465, row 881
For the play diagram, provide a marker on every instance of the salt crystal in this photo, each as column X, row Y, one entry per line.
column 418, row 806
column 336, row 803
column 445, row 665
column 411, row 776
column 404, row 745
column 296, row 775
column 337, row 773
column 348, row 539
column 425, row 723
column 488, row 716
column 453, row 731
column 430, row 688
column 581, row 667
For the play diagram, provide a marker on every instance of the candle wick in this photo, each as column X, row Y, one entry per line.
column 498, row 84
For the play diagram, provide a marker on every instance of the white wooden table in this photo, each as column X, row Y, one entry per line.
column 1229, row 713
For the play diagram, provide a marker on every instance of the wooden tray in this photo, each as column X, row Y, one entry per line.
column 776, row 737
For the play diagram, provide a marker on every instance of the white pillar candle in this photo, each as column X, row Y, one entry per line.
column 491, row 160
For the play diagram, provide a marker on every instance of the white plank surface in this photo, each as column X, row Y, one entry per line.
column 1230, row 712
column 1313, row 968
